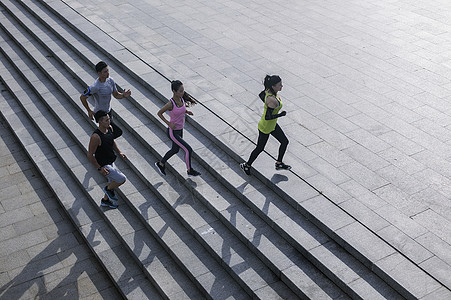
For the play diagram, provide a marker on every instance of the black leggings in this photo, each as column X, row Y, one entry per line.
column 176, row 137
column 263, row 139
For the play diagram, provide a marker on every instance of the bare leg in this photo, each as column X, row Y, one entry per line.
column 113, row 184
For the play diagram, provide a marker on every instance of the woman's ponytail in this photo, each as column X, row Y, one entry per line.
column 269, row 82
column 189, row 100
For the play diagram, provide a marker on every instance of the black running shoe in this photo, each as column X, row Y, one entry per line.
column 282, row 166
column 160, row 168
column 110, row 193
column 192, row 172
column 108, row 203
column 245, row 168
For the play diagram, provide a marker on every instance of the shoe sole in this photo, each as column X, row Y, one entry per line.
column 107, row 205
column 283, row 169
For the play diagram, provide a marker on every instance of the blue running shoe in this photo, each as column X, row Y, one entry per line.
column 108, row 203
column 110, row 193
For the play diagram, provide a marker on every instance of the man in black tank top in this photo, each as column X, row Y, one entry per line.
column 101, row 154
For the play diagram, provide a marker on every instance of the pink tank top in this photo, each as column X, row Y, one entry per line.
column 177, row 115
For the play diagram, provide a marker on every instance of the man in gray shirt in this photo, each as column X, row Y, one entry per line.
column 101, row 90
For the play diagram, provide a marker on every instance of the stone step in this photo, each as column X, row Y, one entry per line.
column 292, row 270
column 122, row 269
column 251, row 261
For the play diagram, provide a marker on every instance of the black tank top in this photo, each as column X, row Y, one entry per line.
column 104, row 153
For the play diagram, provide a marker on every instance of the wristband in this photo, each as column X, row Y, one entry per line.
column 99, row 168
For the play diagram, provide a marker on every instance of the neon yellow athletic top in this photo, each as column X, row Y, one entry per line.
column 267, row 126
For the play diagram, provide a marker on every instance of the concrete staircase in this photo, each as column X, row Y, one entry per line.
column 219, row 236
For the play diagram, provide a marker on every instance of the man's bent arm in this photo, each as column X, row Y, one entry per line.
column 94, row 142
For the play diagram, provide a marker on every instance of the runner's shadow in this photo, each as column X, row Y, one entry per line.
column 277, row 178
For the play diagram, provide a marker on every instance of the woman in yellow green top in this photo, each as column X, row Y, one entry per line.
column 268, row 123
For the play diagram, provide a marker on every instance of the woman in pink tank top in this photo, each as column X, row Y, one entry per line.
column 176, row 108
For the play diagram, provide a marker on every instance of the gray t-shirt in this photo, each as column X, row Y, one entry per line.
column 101, row 91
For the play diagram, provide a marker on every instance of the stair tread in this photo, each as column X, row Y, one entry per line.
column 59, row 179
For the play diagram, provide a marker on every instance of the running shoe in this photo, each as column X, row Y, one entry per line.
column 282, row 166
column 108, row 203
column 110, row 193
column 160, row 168
column 245, row 168
column 192, row 172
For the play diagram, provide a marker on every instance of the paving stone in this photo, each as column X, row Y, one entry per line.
column 416, row 252
column 364, row 214
column 366, row 157
column 363, row 175
column 14, row 261
column 33, row 223
column 334, row 192
column 170, row 279
column 440, row 269
column 244, row 264
column 441, row 293
column 269, row 292
column 327, row 152
column 327, row 213
column 367, row 289
column 221, row 288
column 435, row 223
column 4, row 279
column 370, row 246
column 401, row 221
column 222, row 241
column 16, row 215
column 27, row 289
column 405, row 272
column 303, row 276
column 400, row 179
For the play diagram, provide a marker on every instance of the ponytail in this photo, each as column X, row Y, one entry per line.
column 269, row 82
column 262, row 95
column 189, row 100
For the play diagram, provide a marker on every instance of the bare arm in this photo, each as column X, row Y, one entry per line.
column 95, row 142
column 166, row 107
column 116, row 149
column 123, row 95
column 84, row 101
column 271, row 103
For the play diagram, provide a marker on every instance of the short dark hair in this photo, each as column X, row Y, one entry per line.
column 99, row 115
column 100, row 66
